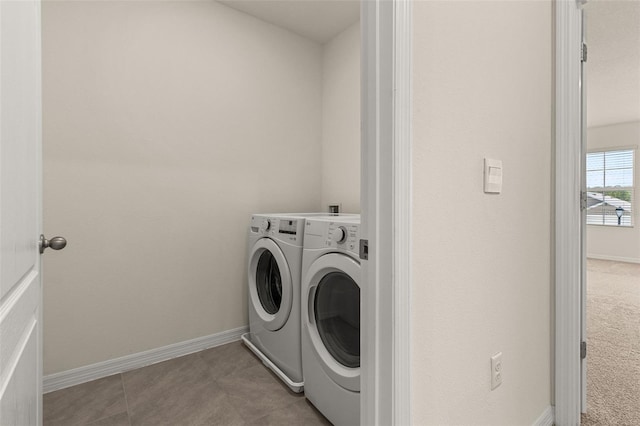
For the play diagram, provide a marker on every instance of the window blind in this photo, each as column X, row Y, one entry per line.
column 610, row 190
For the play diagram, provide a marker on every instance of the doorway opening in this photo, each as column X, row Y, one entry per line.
column 612, row 226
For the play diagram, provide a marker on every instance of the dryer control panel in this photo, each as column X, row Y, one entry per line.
column 341, row 235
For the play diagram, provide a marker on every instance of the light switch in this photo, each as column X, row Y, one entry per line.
column 492, row 176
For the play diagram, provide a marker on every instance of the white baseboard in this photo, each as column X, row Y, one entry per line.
column 614, row 258
column 79, row 375
column 546, row 418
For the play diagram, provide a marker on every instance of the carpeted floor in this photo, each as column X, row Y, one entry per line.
column 613, row 341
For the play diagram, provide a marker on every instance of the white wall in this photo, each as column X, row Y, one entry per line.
column 341, row 121
column 608, row 242
column 481, row 263
column 166, row 124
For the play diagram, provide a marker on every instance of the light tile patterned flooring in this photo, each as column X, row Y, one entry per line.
column 226, row 385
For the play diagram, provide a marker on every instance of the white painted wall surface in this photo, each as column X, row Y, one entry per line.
column 166, row 124
column 482, row 278
column 608, row 242
column 341, row 121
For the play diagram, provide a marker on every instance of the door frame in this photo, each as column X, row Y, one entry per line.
column 386, row 211
column 386, row 199
column 568, row 131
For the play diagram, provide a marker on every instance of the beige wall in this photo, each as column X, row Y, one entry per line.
column 610, row 242
column 341, row 121
column 166, row 124
column 482, row 88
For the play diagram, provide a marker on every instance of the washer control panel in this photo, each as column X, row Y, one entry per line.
column 289, row 229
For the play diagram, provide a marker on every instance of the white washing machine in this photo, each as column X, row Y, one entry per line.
column 275, row 246
column 331, row 318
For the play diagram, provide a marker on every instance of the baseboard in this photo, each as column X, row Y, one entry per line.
column 546, row 418
column 614, row 258
column 64, row 379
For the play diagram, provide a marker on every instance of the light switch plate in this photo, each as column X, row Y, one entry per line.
column 492, row 176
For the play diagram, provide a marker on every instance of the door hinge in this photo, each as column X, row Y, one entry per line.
column 583, row 350
column 364, row 249
column 583, row 53
column 583, row 200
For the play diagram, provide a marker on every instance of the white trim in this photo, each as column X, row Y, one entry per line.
column 98, row 370
column 403, row 19
column 39, row 225
column 386, row 212
column 376, row 405
column 567, row 215
column 614, row 148
column 546, row 418
column 613, row 258
column 583, row 213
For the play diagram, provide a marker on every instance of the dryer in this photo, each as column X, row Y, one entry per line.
column 275, row 245
column 331, row 317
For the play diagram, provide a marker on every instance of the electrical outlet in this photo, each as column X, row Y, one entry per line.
column 496, row 370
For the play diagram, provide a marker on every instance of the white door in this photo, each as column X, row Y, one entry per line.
column 20, row 214
column 583, row 223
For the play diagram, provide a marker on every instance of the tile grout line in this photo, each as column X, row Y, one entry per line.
column 126, row 403
column 200, row 362
column 126, row 400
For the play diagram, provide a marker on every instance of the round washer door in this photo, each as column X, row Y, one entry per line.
column 270, row 286
column 333, row 317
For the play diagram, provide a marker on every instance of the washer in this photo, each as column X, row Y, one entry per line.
column 331, row 317
column 275, row 247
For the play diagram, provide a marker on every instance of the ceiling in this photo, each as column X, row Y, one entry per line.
column 612, row 34
column 613, row 61
column 318, row 20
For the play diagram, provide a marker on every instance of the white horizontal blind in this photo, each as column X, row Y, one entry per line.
column 610, row 190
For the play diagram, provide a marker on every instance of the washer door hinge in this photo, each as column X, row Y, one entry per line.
column 364, row 249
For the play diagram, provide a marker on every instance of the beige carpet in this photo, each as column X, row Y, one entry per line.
column 613, row 340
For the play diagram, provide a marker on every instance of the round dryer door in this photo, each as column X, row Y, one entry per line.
column 333, row 307
column 270, row 286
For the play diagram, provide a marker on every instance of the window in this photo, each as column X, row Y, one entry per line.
column 610, row 188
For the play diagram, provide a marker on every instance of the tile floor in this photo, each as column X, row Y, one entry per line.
column 226, row 385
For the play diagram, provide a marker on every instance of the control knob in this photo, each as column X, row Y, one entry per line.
column 339, row 235
column 265, row 225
